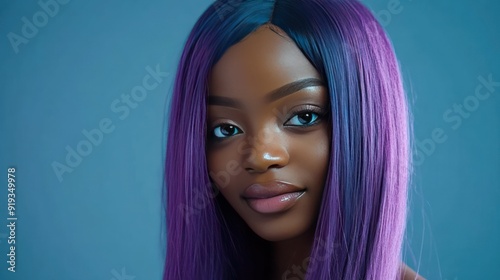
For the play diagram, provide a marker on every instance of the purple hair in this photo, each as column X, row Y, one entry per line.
column 360, row 228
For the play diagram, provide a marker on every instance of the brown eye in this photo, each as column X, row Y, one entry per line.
column 225, row 130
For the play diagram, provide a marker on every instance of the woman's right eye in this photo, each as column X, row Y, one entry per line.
column 225, row 130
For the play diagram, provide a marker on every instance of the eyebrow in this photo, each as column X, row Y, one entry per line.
column 271, row 96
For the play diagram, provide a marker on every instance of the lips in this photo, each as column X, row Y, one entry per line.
column 272, row 197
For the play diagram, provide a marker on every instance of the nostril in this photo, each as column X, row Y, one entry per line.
column 255, row 170
column 274, row 166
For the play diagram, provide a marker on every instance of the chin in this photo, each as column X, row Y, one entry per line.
column 280, row 228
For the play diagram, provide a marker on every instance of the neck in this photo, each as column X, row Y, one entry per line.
column 290, row 257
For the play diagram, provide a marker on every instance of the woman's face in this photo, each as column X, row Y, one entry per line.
column 268, row 134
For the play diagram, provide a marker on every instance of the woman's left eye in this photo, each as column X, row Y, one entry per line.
column 303, row 119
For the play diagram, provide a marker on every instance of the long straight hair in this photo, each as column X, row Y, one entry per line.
column 361, row 224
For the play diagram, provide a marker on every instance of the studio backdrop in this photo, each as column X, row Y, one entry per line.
column 84, row 87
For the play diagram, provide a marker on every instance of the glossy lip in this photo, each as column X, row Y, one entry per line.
column 272, row 197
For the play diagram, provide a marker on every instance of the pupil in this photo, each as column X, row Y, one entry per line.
column 305, row 118
column 228, row 130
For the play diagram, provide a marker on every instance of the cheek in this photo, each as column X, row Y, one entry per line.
column 322, row 151
column 224, row 171
column 313, row 156
column 223, row 168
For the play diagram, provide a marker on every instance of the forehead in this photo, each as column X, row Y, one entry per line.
column 261, row 62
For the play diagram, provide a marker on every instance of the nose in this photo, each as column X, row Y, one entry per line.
column 269, row 150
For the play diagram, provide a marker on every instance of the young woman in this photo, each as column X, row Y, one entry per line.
column 288, row 149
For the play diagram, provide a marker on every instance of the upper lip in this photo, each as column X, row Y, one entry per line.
column 269, row 189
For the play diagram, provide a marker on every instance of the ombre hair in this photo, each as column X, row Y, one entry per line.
column 361, row 223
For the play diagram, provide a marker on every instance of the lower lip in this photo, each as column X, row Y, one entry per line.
column 274, row 204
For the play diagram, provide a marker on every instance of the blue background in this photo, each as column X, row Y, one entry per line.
column 104, row 221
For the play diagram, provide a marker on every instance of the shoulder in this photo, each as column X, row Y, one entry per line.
column 406, row 273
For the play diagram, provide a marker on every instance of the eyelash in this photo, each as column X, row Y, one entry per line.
column 320, row 115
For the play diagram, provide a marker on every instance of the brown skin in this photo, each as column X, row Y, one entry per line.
column 285, row 139
column 406, row 273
